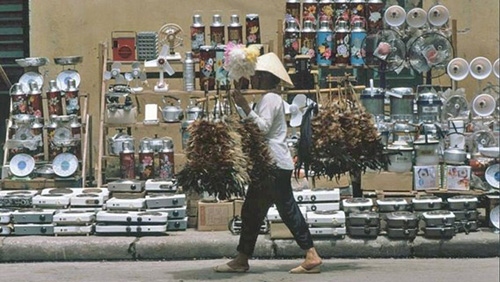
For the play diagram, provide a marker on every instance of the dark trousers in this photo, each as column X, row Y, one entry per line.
column 255, row 208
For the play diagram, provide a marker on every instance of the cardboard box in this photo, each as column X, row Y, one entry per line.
column 427, row 177
column 279, row 231
column 387, row 181
column 457, row 177
column 214, row 216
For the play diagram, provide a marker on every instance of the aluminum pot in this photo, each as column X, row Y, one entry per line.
column 454, row 156
column 46, row 171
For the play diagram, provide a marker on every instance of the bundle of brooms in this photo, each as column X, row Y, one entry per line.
column 340, row 138
column 226, row 154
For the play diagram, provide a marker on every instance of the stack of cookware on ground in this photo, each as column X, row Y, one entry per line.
column 361, row 221
column 22, row 201
column 397, row 219
column 323, row 212
column 436, row 222
column 464, row 207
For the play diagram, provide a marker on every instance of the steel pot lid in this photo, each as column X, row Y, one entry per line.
column 427, row 199
column 462, row 198
column 392, row 201
column 45, row 169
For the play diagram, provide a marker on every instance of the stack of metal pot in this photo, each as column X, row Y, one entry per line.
column 464, row 207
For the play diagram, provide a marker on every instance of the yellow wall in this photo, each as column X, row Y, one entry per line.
column 76, row 27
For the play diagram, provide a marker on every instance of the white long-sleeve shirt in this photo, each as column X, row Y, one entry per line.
column 269, row 115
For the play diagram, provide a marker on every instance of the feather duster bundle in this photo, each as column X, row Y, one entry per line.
column 215, row 163
column 239, row 61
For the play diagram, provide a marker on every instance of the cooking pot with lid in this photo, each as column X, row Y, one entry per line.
column 115, row 143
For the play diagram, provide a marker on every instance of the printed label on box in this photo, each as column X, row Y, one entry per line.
column 426, row 177
column 458, row 177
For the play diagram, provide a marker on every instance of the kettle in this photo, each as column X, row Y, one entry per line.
column 171, row 112
column 193, row 110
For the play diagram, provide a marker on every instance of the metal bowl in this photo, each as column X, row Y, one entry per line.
column 70, row 60
column 32, row 62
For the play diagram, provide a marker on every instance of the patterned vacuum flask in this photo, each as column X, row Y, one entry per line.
column 290, row 42
column 342, row 39
column 342, row 12
column 197, row 35
column 19, row 99
column 35, row 106
column 235, row 30
column 146, row 161
column 310, row 12
column 166, row 160
column 207, row 64
column 72, row 103
column 358, row 34
column 54, row 100
column 127, row 161
column 324, row 44
column 292, row 11
column 308, row 41
column 217, row 31
column 252, row 29
column 326, row 12
column 374, row 15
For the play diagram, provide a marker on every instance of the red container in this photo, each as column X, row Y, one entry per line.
column 167, row 164
column 235, row 30
column 217, row 32
column 35, row 106
column 19, row 99
column 54, row 100
column 374, row 15
column 127, row 161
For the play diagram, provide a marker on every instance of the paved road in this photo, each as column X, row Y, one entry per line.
column 338, row 270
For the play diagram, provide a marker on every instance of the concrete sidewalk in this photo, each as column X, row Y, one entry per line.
column 193, row 244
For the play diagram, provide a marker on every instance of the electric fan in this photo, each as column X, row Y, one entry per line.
column 430, row 53
column 483, row 138
column 115, row 73
column 455, row 106
column 438, row 15
column 297, row 108
column 384, row 51
column 395, row 16
column 458, row 69
column 162, row 64
column 484, row 105
column 480, row 68
column 170, row 34
column 138, row 75
column 496, row 68
column 416, row 17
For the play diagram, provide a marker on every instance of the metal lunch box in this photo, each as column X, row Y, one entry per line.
column 357, row 205
column 393, row 204
column 402, row 220
column 402, row 233
column 439, row 232
column 466, row 226
column 466, row 215
column 363, row 218
column 438, row 218
column 462, row 202
column 427, row 203
column 363, row 231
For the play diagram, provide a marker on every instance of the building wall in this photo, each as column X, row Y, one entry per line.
column 76, row 27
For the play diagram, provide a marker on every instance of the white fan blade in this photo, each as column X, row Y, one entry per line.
column 168, row 68
column 151, row 63
column 299, row 100
column 136, row 65
column 287, row 108
column 120, row 79
column 164, row 50
column 107, row 75
column 296, row 119
column 116, row 65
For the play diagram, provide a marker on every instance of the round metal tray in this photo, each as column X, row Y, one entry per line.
column 32, row 62
column 70, row 60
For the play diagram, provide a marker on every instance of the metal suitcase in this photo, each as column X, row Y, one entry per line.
column 427, row 203
column 165, row 201
column 466, row 226
column 462, row 202
column 73, row 230
column 466, row 215
column 363, row 231
column 363, row 218
column 33, row 229
column 438, row 218
column 177, row 224
column 326, row 218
